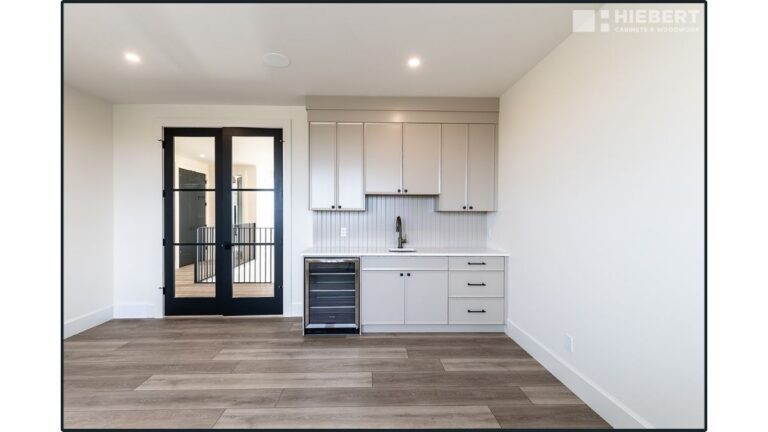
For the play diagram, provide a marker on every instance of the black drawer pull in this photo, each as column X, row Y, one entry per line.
column 476, row 311
column 475, row 284
column 476, row 263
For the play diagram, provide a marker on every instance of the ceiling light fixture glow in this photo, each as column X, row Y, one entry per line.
column 131, row 57
column 414, row 62
column 202, row 155
column 276, row 60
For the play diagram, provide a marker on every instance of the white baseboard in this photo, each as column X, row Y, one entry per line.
column 84, row 322
column 136, row 310
column 608, row 407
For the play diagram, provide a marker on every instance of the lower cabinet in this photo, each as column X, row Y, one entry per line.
column 404, row 297
column 477, row 310
column 382, row 297
column 424, row 291
column 426, row 297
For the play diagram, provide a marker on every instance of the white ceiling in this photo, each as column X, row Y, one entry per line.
column 211, row 53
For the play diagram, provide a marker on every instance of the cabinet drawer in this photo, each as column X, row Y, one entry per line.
column 404, row 263
column 476, row 311
column 476, row 263
column 476, row 284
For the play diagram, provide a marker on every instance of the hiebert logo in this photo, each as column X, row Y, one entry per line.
column 637, row 20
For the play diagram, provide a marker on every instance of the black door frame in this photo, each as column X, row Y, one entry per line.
column 223, row 303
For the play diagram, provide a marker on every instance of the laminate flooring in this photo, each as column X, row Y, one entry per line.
column 262, row 373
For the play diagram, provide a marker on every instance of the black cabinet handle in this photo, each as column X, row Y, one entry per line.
column 339, row 206
column 405, row 190
column 401, row 274
column 476, row 284
column 463, row 207
column 476, row 311
column 408, row 274
column 470, row 207
column 333, row 206
column 475, row 263
column 398, row 191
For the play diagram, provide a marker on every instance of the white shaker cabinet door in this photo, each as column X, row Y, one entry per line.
column 383, row 157
column 481, row 168
column 453, row 175
column 421, row 158
column 426, row 297
column 322, row 166
column 382, row 297
column 349, row 163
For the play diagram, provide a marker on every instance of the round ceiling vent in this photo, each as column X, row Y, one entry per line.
column 277, row 60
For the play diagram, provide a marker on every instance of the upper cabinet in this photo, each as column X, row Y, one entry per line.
column 336, row 166
column 404, row 146
column 383, row 158
column 402, row 158
column 468, row 173
column 421, row 158
column 481, row 168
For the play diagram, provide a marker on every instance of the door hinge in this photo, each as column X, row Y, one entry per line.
column 162, row 143
column 163, row 242
column 163, row 193
column 162, row 288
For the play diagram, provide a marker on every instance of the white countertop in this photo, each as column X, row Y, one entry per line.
column 357, row 252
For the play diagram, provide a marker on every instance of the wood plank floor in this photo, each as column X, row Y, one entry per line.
column 262, row 373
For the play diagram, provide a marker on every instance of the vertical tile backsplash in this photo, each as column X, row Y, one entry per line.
column 422, row 225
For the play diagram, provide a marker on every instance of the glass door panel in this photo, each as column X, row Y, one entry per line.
column 255, row 207
column 194, row 215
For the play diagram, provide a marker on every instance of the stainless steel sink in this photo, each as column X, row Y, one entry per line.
column 402, row 250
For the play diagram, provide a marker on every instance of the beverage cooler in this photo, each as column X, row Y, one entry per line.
column 331, row 295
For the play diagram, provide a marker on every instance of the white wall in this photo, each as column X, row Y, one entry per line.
column 138, row 203
column 601, row 204
column 88, row 217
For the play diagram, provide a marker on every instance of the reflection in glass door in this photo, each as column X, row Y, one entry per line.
column 222, row 207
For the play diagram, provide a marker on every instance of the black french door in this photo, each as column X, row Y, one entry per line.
column 222, row 221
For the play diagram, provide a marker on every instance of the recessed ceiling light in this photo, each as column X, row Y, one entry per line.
column 277, row 60
column 414, row 62
column 202, row 155
column 131, row 57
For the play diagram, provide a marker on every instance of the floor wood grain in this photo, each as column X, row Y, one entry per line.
column 310, row 353
column 155, row 419
column 260, row 372
column 402, row 396
column 256, row 381
column 452, row 351
column 454, row 417
column 341, row 365
column 548, row 416
column 147, row 367
column 103, row 383
column 490, row 364
column 551, row 395
column 171, row 399
column 461, row 379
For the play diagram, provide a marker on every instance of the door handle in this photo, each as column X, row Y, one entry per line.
column 476, row 311
column 476, row 284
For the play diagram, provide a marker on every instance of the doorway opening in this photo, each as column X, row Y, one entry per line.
column 223, row 239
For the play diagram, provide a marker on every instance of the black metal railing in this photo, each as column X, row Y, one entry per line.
column 252, row 254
